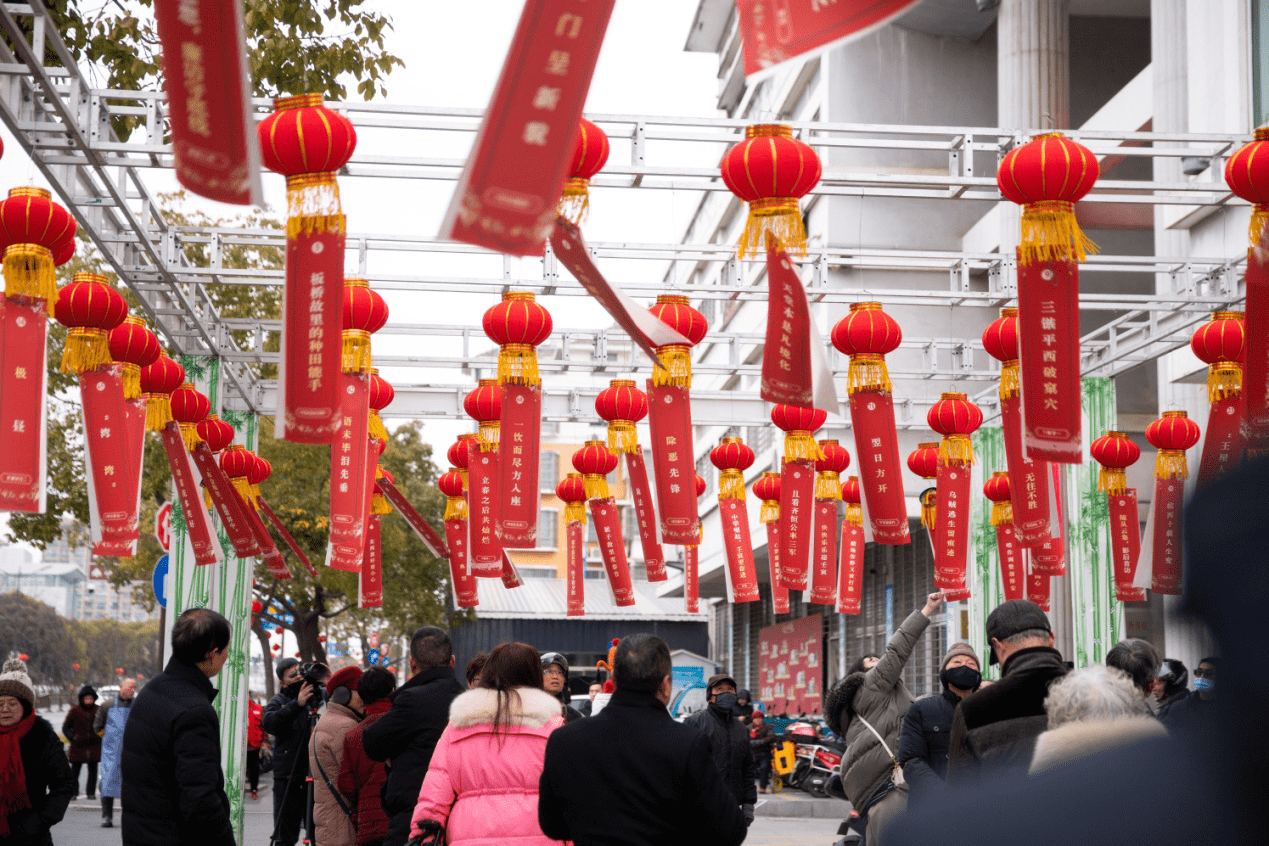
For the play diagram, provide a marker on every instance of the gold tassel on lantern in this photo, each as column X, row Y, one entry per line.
column 1010, row 381
column 770, row 511
column 731, row 485
column 575, row 512
column 131, row 376
column 490, row 434
column 575, row 204
column 518, row 365
column 622, row 436
column 377, row 430
column 677, row 369
column 312, row 201
column 355, row 357
column 929, row 507
column 378, row 502
column 828, row 485
column 867, row 372
column 1224, row 380
column 956, row 451
column 456, row 508
column 243, row 486
column 800, row 445
column 1002, row 513
column 854, row 514
column 596, row 486
column 29, row 273
column 1171, row 464
column 189, row 434
column 780, row 216
column 1112, row 481
column 1050, row 231
column 158, row 412
column 87, row 348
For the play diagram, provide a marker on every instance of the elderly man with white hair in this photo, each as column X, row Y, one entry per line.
column 1090, row 711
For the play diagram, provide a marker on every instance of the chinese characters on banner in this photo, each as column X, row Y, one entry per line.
column 197, row 524
column 575, row 535
column 507, row 195
column 108, row 459
column 824, row 555
column 850, row 568
column 370, row 583
column 1125, row 544
column 461, row 579
column 775, row 31
column 645, row 516
column 486, row 551
column 1222, row 440
column 23, row 357
column 230, row 507
column 742, row 578
column 1049, row 360
column 1031, row 511
column 608, row 532
column 312, row 340
column 790, row 666
column 877, row 448
column 797, row 509
column 951, row 530
column 1169, row 495
column 674, row 464
column 779, row 592
column 349, row 496
column 1012, row 563
column 795, row 368
column 518, row 482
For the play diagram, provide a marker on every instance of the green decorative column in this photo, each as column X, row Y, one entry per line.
column 984, row 564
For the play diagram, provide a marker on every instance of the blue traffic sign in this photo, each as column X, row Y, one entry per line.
column 159, row 580
column 372, row 657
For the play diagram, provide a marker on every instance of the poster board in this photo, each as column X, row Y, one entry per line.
column 791, row 666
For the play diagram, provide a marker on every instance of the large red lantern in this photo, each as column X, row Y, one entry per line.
column 771, row 170
column 1247, row 175
column 484, row 405
column 216, row 433
column 1172, row 434
column 732, row 458
column 835, row 461
column 34, row 228
column 459, row 453
column 134, row 347
column 996, row 489
column 622, row 405
column 572, row 492
column 589, row 156
column 1000, row 339
column 260, row 470
column 381, row 396
column 307, row 143
column 955, row 418
column 1047, row 176
column 363, row 314
column 157, row 383
column 518, row 324
column 189, row 407
column 1221, row 344
column 675, row 311
column 799, row 424
column 1115, row 453
column 89, row 307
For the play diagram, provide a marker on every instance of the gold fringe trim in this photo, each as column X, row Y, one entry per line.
column 131, row 375
column 1010, row 379
column 189, row 434
column 854, row 514
column 518, row 365
column 490, row 434
column 29, row 273
column 207, row 499
column 158, row 412
column 800, row 445
column 622, row 436
column 1050, row 231
column 312, row 205
column 1259, row 219
column 929, row 513
column 956, row 450
column 596, row 486
column 782, row 218
column 770, row 511
column 1170, row 464
column 678, row 366
column 1002, row 513
column 377, row 429
column 731, row 485
column 379, row 504
column 462, row 472
column 575, row 512
column 1113, row 481
column 575, row 204
column 1224, row 380
column 86, row 348
column 828, row 485
column 867, row 372
column 243, row 486
column 356, row 351
column 456, row 508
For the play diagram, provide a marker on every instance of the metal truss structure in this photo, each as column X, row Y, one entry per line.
column 64, row 125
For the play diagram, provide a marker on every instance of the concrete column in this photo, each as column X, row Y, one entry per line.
column 1033, row 64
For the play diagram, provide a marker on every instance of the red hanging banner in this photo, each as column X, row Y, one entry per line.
column 349, row 458
column 1027, row 476
column 286, row 536
column 208, row 87
column 575, row 537
column 269, row 554
column 779, row 593
column 1169, row 496
column 775, row 32
column 741, row 573
column 952, row 526
column 134, row 415
column 608, row 531
column 108, row 457
column 691, row 579
column 1125, row 543
column 370, row 584
column 1049, row 358
column 510, row 575
column 23, row 358
column 645, row 516
column 877, row 451
column 1222, row 440
column 824, row 558
column 850, row 568
column 518, row 465
column 795, row 367
column 1256, row 372
column 229, row 505
column 487, row 553
column 312, row 340
column 461, row 579
column 197, row 525
column 673, row 462
column 1012, row 563
column 797, row 503
column 508, row 192
column 413, row 519
column 1039, row 587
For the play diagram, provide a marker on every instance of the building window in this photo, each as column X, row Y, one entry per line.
column 548, row 471
column 548, row 528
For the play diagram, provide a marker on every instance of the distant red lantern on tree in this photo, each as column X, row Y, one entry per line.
column 89, row 307
column 157, row 383
column 622, row 405
column 590, row 154
column 134, row 347
column 1247, row 175
column 771, row 171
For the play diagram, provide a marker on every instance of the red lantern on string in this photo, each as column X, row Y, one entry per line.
column 256, row 606
column 1220, row 344
column 867, row 335
column 767, row 489
column 590, row 154
column 799, row 425
column 518, row 324
column 216, row 433
column 1115, row 453
column 835, row 461
column 89, row 307
column 363, row 314
column 261, row 469
column 1247, row 175
column 134, row 347
column 572, row 492
column 732, row 458
column 1172, row 434
column 33, row 228
column 307, row 143
column 997, row 490
column 381, row 396
column 451, row 484
column 484, row 405
column 771, row 170
column 955, row 418
column 157, row 382
column 675, row 311
column 595, row 461
column 189, row 408
column 1047, row 176
column 924, row 460
column 238, row 465
column 622, row 405
column 1000, row 339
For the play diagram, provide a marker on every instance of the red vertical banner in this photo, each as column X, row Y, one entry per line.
column 673, row 463
column 510, row 575
column 229, row 505
column 269, row 554
column 197, row 525
column 370, row 583
column 23, row 358
column 463, row 582
column 134, row 414
column 1223, row 440
column 739, row 548
column 108, row 458
column 645, row 517
column 779, row 593
column 1256, row 373
column 1049, row 350
column 1012, row 563
column 312, row 342
column 1125, row 544
column 824, row 557
column 691, row 578
column 431, row 539
column 518, row 465
column 877, row 451
column 797, row 503
column 286, row 536
column 1039, row 587
column 952, row 527
column 482, row 475
column 608, row 530
column 1169, row 496
column 575, row 541
column 349, row 458
column 850, row 568
column 1031, row 494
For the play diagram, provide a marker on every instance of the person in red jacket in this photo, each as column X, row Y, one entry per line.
column 360, row 778
column 255, row 742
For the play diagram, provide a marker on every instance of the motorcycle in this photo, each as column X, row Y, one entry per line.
column 816, row 759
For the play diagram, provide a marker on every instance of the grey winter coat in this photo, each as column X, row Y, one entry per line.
column 883, row 700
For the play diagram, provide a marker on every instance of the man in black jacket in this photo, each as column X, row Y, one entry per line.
column 173, row 787
column 729, row 742
column 286, row 717
column 631, row 775
column 994, row 731
column 408, row 732
column 927, row 727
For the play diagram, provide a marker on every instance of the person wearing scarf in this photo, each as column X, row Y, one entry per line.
column 35, row 777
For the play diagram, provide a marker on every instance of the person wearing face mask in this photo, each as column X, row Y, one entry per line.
column 1195, row 712
column 927, row 727
column 729, row 742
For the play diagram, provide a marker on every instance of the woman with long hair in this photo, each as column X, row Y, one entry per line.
column 482, row 783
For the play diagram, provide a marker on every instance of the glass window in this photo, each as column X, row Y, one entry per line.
column 548, row 528
column 548, row 470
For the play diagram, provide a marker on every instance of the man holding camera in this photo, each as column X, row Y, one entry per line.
column 287, row 718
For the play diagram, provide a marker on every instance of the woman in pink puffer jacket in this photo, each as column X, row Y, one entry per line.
column 482, row 783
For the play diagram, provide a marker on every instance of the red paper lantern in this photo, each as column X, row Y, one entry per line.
column 675, row 367
column 260, row 470
column 215, row 432
column 1000, row 339
column 517, row 324
column 1115, row 453
column 135, row 347
column 771, row 170
column 238, row 465
column 572, row 492
column 851, row 493
column 64, row 252
column 700, row 486
column 622, row 405
column 321, row 638
column 363, row 314
column 304, row 138
column 997, row 490
column 33, row 227
column 118, row 671
column 732, row 458
column 189, row 407
column 1172, row 434
column 452, row 484
column 1220, row 344
column 955, row 418
column 1047, row 176
column 1247, row 175
column 595, row 461
column 799, row 423
column 75, row 666
column 867, row 334
column 589, row 156
column 767, row 489
column 924, row 460
column 833, row 462
column 89, row 307
column 484, row 405
column 381, row 396
column 157, row 383
column 457, row 454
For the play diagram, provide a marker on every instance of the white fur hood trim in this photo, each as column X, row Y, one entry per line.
column 1073, row 741
column 478, row 706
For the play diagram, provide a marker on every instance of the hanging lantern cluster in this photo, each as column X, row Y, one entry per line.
column 1247, row 175
column 590, row 154
column 771, row 171
column 89, row 308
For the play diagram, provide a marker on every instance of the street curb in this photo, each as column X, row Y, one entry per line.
column 776, row 805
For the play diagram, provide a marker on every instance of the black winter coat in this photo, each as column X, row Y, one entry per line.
column 85, row 745
column 994, row 730
column 729, row 741
column 924, row 740
column 173, row 785
column 287, row 720
column 632, row 776
column 407, row 734
column 49, row 786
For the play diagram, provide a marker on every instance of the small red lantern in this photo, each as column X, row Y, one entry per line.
column 238, row 465
column 851, row 496
column 452, row 484
column 1247, row 175
column 836, row 459
column 135, row 347
column 590, row 154
column 675, row 311
column 157, row 382
column 767, row 489
column 595, row 461
column 700, row 486
column 34, row 227
column 572, row 492
column 484, row 405
column 867, row 334
column 997, row 490
column 381, row 396
column 1000, row 339
column 216, row 433
column 1220, row 344
column 321, row 638
column 22, row 656
column 771, row 170
column 924, row 460
column 364, row 313
column 1115, row 453
column 955, row 418
column 261, row 469
column 732, row 458
column 1172, row 434
column 118, row 671
column 1047, row 176
column 799, row 424
column 189, row 408
column 518, row 324
column 622, row 405
column 89, row 307
column 75, row 666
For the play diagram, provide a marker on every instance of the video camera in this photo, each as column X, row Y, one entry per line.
column 315, row 673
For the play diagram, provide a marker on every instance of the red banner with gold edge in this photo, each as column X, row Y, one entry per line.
column 575, row 542
column 779, row 593
column 1049, row 360
column 1031, row 497
column 208, row 87
column 286, row 536
column 487, row 553
column 850, row 569
column 741, row 573
column 23, row 357
column 789, row 371
column 797, row 514
column 228, row 503
column 1013, row 566
column 691, row 579
column 1049, row 556
column 1039, row 588
column 431, row 539
column 1256, row 332
column 111, row 500
column 673, row 463
column 824, row 556
column 508, row 192
column 510, row 575
column 1125, row 544
column 312, row 340
column 349, row 458
column 608, row 531
column 370, row 584
column 952, row 526
column 880, row 477
column 1169, row 497
column 134, row 411
column 197, row 524
column 518, row 465
column 774, row 31
column 645, row 516
column 1222, row 440
column 461, row 579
